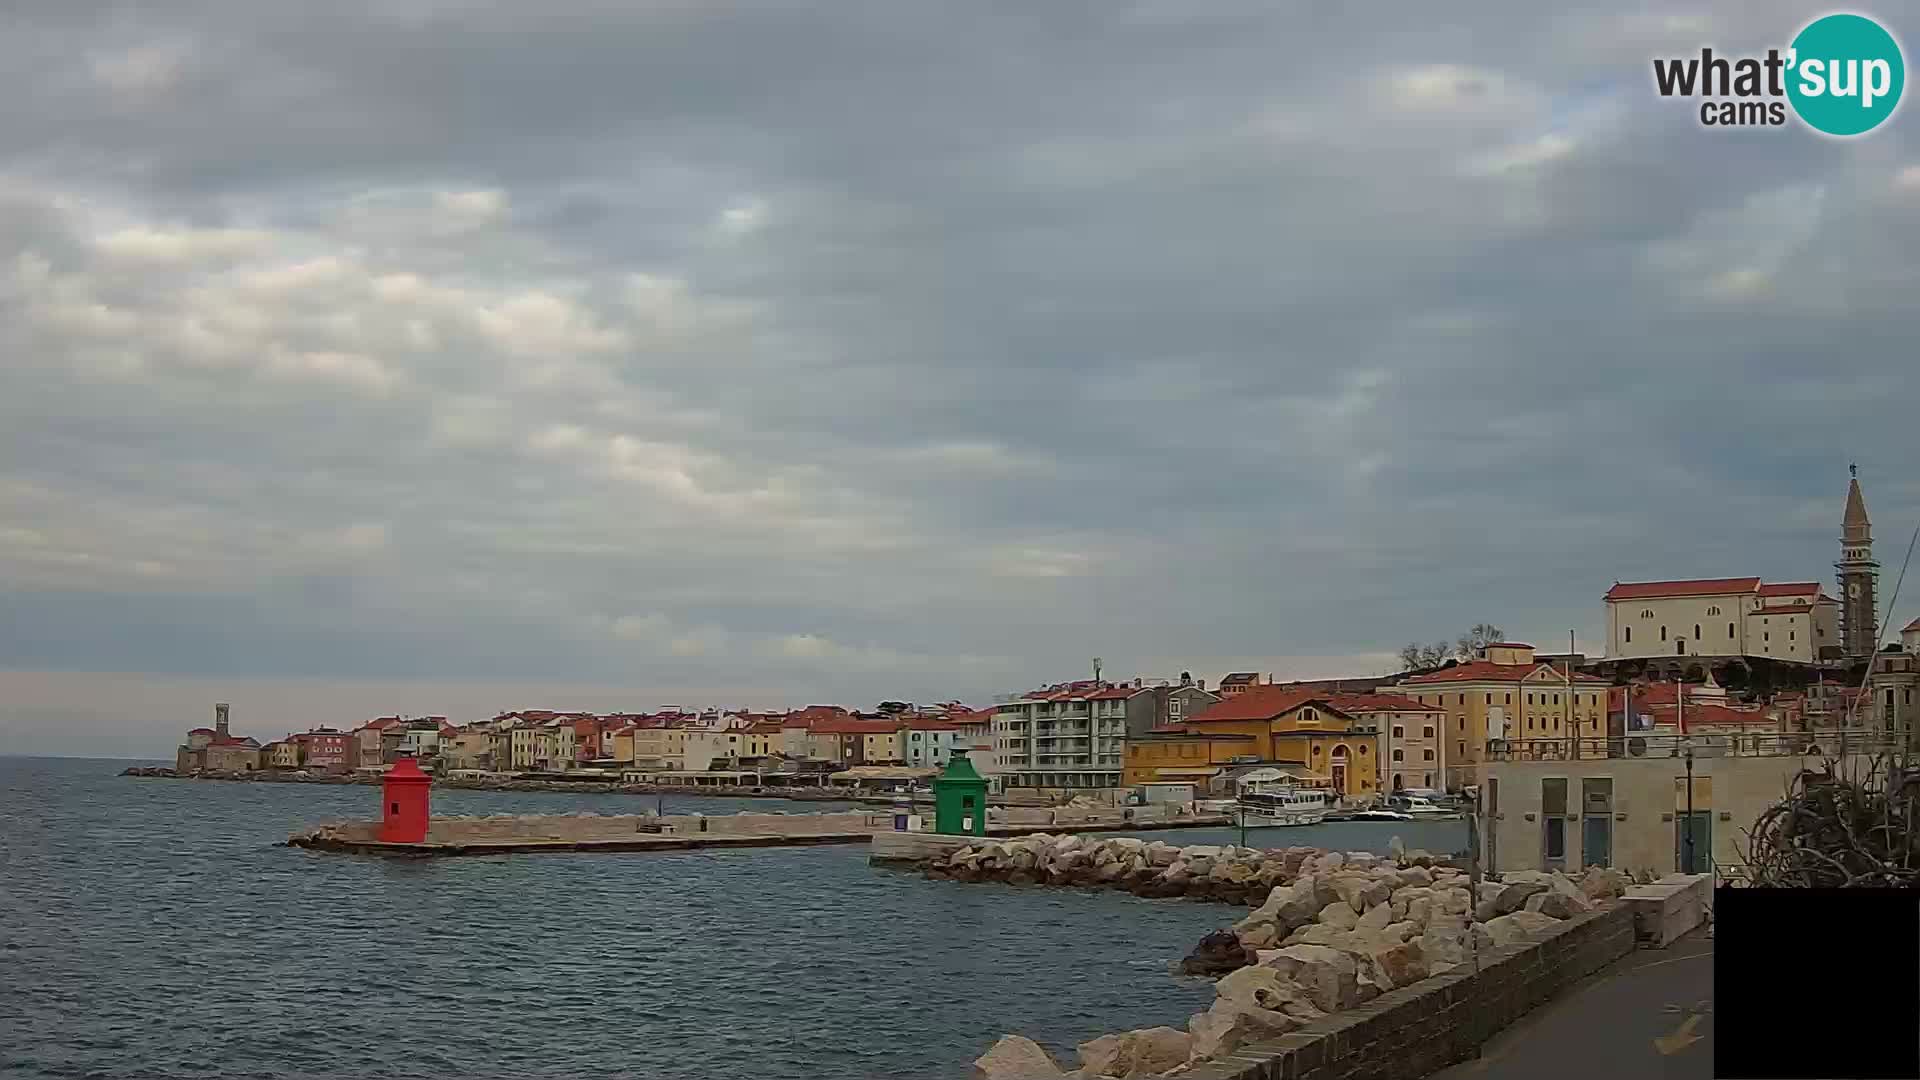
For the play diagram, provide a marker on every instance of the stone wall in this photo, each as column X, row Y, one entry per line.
column 1440, row 1020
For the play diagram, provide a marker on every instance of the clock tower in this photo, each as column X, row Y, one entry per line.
column 1859, row 625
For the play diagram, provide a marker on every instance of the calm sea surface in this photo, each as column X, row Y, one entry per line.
column 150, row 928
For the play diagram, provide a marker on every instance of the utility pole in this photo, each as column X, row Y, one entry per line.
column 1573, row 732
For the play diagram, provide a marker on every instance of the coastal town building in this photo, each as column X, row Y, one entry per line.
column 1859, row 576
column 217, row 749
column 928, row 742
column 1238, row 682
column 1409, row 731
column 1301, row 731
column 1684, row 626
column 1892, row 702
column 325, row 749
column 1067, row 736
column 1639, row 811
column 1505, row 695
column 1722, row 618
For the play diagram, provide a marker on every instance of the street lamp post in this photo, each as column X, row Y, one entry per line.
column 1686, row 835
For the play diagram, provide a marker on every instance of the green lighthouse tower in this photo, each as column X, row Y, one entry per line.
column 960, row 799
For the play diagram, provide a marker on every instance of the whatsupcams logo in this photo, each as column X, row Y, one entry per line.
column 1842, row 75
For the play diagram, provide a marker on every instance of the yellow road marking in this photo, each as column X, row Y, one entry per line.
column 1681, row 1038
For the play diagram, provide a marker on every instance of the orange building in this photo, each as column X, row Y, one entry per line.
column 1272, row 725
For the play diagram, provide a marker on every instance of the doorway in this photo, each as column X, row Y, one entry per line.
column 1693, row 841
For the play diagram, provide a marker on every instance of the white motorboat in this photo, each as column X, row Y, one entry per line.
column 1288, row 804
column 1421, row 808
column 1381, row 815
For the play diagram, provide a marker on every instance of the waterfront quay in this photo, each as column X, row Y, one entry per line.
column 512, row 834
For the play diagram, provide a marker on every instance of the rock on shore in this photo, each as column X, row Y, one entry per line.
column 1329, row 932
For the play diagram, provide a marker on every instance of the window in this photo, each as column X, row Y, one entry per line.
column 1463, row 749
column 1764, row 636
column 1463, row 699
column 1556, row 699
column 1489, row 699
column 1529, row 699
column 1529, row 723
column 1629, row 633
column 1696, row 631
column 1715, row 610
column 1399, row 755
column 1729, row 631
column 1427, row 754
column 1509, row 699
column 1399, row 732
column 1646, row 613
column 1460, row 723
column 1663, row 633
column 1428, row 731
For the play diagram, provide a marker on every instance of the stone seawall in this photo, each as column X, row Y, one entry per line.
column 1439, row 1021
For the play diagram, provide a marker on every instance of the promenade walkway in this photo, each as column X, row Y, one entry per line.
column 1648, row 1016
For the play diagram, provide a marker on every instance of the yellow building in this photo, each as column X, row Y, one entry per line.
column 617, row 745
column 1179, row 757
column 1509, row 695
column 880, row 747
column 1286, row 725
column 762, row 740
column 284, row 754
column 660, row 746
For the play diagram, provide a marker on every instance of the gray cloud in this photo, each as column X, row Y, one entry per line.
column 889, row 350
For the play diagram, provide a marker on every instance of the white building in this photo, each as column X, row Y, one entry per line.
column 1721, row 617
column 1068, row 736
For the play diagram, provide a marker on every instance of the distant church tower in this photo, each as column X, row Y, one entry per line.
column 1859, row 626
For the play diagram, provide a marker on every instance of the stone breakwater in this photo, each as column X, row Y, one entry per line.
column 1329, row 932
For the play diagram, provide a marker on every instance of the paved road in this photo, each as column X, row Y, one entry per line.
column 1648, row 1016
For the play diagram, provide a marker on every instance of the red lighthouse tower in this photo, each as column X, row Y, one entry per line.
column 403, row 799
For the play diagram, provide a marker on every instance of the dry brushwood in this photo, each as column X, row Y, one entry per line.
column 1835, row 831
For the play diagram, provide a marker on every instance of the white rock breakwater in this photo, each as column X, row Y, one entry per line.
column 1331, row 930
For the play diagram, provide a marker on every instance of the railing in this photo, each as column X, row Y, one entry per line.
column 1839, row 743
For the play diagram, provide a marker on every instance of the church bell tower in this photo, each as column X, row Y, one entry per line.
column 1859, row 625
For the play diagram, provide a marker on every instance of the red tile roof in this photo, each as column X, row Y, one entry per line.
column 203, row 731
column 1488, row 671
column 1355, row 703
column 929, row 723
column 838, row 726
column 1646, row 590
column 1791, row 588
column 1257, row 703
column 1705, row 715
column 1115, row 693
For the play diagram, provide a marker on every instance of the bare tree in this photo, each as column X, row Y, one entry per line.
column 1841, row 826
column 1418, row 657
column 1470, row 645
column 1474, row 642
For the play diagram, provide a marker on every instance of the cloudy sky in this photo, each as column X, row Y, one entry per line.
column 451, row 356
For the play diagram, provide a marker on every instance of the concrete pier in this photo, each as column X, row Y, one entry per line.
column 507, row 834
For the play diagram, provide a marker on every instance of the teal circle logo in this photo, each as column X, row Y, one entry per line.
column 1845, row 74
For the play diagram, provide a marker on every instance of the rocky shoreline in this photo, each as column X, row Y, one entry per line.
column 1329, row 931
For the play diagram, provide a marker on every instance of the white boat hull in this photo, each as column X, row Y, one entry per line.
column 1273, row 819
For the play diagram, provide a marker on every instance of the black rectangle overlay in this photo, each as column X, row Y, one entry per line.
column 1816, row 983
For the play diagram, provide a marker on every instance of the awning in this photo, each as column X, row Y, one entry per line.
column 1215, row 771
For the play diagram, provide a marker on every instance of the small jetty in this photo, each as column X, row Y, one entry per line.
column 406, row 826
column 515, row 834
